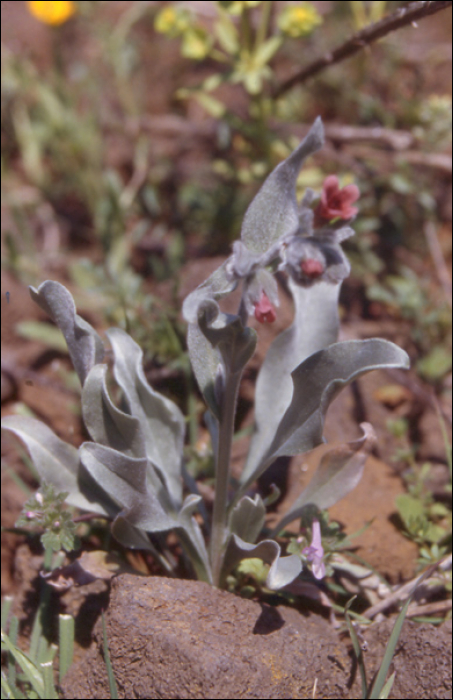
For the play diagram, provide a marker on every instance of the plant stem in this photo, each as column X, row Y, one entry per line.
column 219, row 516
column 246, row 30
column 401, row 17
column 263, row 26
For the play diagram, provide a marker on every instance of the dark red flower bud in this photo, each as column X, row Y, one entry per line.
column 264, row 310
column 312, row 268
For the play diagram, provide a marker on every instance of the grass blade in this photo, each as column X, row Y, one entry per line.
column 49, row 687
column 66, row 643
column 31, row 671
column 111, row 677
column 387, row 688
column 356, row 646
column 379, row 683
column 7, row 693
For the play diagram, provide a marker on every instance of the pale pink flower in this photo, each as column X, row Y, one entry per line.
column 335, row 202
column 315, row 552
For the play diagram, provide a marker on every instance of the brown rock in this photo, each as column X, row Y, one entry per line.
column 185, row 639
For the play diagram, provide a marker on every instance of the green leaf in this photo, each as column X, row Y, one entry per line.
column 227, row 34
column 356, row 646
column 283, row 570
column 31, row 671
column 436, row 364
column 409, row 507
column 110, row 675
column 378, row 685
column 385, row 692
column 267, row 50
column 43, row 333
column 215, row 108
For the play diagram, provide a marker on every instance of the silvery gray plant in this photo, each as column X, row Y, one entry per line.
column 132, row 470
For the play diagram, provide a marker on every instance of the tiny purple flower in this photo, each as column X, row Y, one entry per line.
column 315, row 552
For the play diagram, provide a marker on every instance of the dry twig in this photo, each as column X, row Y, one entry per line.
column 400, row 18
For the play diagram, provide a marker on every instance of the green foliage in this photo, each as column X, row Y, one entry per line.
column 426, row 520
column 407, row 295
column 421, row 519
column 45, row 510
column 31, row 674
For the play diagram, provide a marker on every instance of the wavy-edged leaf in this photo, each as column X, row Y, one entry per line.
column 218, row 344
column 84, row 344
column 315, row 326
column 274, row 212
column 109, row 426
column 124, row 479
column 283, row 570
column 187, row 529
column 105, row 423
column 56, row 461
column 235, row 343
column 206, row 364
column 317, row 381
column 247, row 518
column 164, row 431
column 218, row 285
column 339, row 471
column 192, row 539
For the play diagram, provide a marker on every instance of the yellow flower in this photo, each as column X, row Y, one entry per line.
column 299, row 20
column 196, row 44
column 52, row 12
column 172, row 21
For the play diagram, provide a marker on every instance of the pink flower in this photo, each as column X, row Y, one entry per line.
column 335, row 202
column 264, row 310
column 315, row 552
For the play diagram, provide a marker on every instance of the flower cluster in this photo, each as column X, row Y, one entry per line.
column 299, row 20
column 309, row 255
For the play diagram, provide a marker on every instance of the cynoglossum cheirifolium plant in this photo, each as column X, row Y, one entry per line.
column 132, row 469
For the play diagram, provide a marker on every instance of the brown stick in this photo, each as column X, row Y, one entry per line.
column 400, row 18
